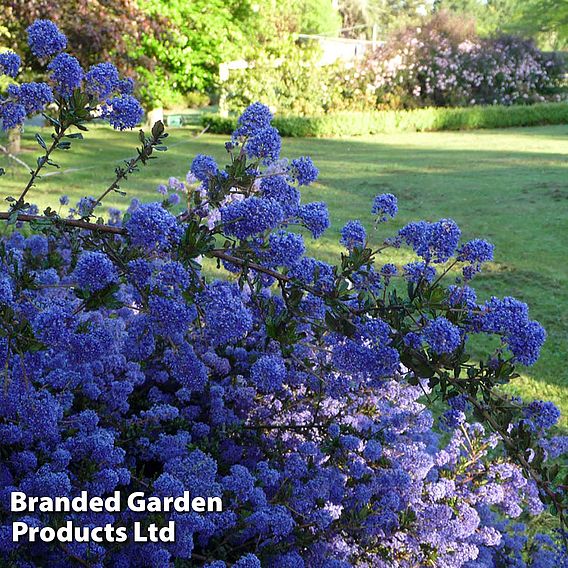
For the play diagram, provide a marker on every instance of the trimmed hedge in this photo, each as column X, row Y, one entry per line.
column 418, row 120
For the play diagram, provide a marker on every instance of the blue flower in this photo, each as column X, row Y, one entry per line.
column 126, row 86
column 186, row 368
column 385, row 206
column 123, row 112
column 101, row 80
column 86, row 206
column 315, row 217
column 509, row 318
column 435, row 242
column 476, row 251
column 255, row 118
column 264, row 144
column 387, row 271
column 10, row 63
column 413, row 340
column 204, row 167
column 419, row 272
column 12, row 115
column 227, row 318
column 526, row 341
column 170, row 315
column 251, row 216
column 373, row 450
column 353, row 235
column 442, row 336
column 151, row 226
column 285, row 248
column 37, row 245
column 247, row 561
column 94, row 271
column 462, row 296
column 6, row 291
column 303, row 170
column 543, row 414
column 311, row 271
column 33, row 96
column 45, row 39
column 268, row 373
column 277, row 188
column 174, row 199
column 66, row 73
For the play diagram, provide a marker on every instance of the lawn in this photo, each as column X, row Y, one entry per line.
column 509, row 186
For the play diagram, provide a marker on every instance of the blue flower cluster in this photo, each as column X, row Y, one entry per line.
column 255, row 118
column 102, row 80
column 353, row 235
column 45, row 39
column 264, row 145
column 509, row 318
column 153, row 227
column 32, row 96
column 434, row 242
column 442, row 336
column 304, row 171
column 10, row 64
column 385, row 207
column 66, row 76
column 311, row 429
column 203, row 167
column 543, row 414
column 123, row 112
column 94, row 271
column 251, row 216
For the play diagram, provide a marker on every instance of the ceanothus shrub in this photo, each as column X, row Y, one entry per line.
column 296, row 390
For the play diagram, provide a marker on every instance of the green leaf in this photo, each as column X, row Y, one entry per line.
column 41, row 141
column 50, row 119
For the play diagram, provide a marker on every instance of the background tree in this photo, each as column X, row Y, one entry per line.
column 316, row 17
column 543, row 20
column 547, row 19
column 97, row 29
column 202, row 34
column 359, row 16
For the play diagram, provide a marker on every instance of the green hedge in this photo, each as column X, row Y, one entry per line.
column 419, row 120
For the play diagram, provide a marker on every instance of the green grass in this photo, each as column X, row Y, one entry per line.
column 510, row 186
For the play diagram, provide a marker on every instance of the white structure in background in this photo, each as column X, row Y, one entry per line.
column 342, row 49
column 333, row 49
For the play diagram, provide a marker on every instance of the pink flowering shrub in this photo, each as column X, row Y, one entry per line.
column 437, row 65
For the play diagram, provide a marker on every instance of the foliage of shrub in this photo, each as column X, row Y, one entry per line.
column 416, row 120
column 289, row 79
column 442, row 64
column 293, row 389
